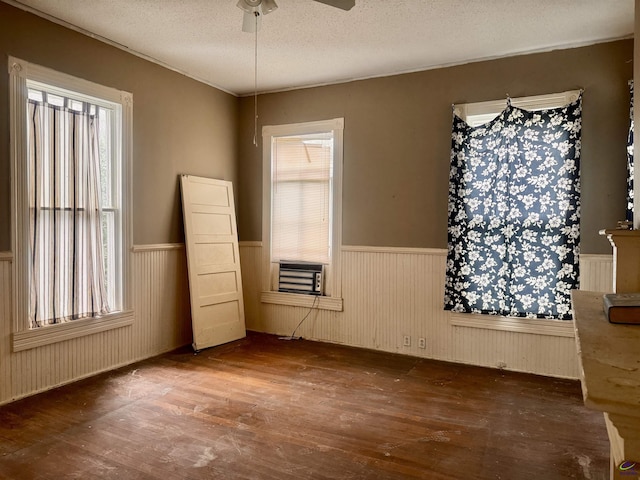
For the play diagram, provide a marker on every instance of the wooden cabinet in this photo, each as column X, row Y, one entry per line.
column 610, row 376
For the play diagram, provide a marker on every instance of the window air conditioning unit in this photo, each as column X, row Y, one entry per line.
column 301, row 277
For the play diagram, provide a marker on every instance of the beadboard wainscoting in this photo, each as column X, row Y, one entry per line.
column 389, row 293
column 162, row 323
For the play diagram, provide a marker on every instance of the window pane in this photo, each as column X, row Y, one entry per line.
column 109, row 254
column 301, row 197
column 106, row 163
column 35, row 95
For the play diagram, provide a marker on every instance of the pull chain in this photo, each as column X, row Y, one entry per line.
column 255, row 85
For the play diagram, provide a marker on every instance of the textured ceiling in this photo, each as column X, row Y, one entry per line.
column 305, row 43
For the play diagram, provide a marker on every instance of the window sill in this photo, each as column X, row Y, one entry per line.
column 555, row 328
column 301, row 300
column 40, row 337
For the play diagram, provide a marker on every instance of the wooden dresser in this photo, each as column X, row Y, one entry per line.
column 609, row 358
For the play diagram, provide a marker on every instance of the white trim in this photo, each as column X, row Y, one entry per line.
column 306, row 301
column 370, row 249
column 6, row 256
column 302, row 128
column 266, row 210
column 19, row 225
column 336, row 241
column 600, row 257
column 20, row 73
column 336, row 125
column 64, row 82
column 158, row 247
column 396, row 250
column 479, row 113
column 250, row 244
column 126, row 207
column 62, row 332
column 557, row 328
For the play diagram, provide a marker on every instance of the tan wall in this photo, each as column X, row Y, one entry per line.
column 180, row 125
column 397, row 140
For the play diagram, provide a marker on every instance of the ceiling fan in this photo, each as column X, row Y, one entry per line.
column 253, row 12
column 255, row 9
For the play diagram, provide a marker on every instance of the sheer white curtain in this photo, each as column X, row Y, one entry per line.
column 65, row 225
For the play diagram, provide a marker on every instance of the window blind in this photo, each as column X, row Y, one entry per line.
column 302, row 174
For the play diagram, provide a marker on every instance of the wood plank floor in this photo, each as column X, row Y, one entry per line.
column 263, row 408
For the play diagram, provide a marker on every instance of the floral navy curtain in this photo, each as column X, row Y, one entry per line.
column 514, row 211
column 630, row 160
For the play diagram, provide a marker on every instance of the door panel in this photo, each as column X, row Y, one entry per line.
column 215, row 283
column 222, row 282
column 211, row 224
column 215, row 254
column 210, row 195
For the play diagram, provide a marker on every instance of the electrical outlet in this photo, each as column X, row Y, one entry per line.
column 422, row 342
column 406, row 341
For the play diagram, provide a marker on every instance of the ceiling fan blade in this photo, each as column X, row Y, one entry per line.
column 268, row 6
column 343, row 4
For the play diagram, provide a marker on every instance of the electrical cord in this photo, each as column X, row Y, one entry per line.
column 292, row 336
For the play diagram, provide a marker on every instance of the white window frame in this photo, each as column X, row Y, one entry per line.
column 20, row 73
column 479, row 113
column 332, row 300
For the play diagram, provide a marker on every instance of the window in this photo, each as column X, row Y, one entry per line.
column 302, row 192
column 514, row 207
column 302, row 173
column 71, row 149
column 479, row 113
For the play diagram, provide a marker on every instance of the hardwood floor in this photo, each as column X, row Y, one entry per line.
column 263, row 408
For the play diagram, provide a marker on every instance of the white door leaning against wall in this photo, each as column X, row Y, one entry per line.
column 215, row 284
